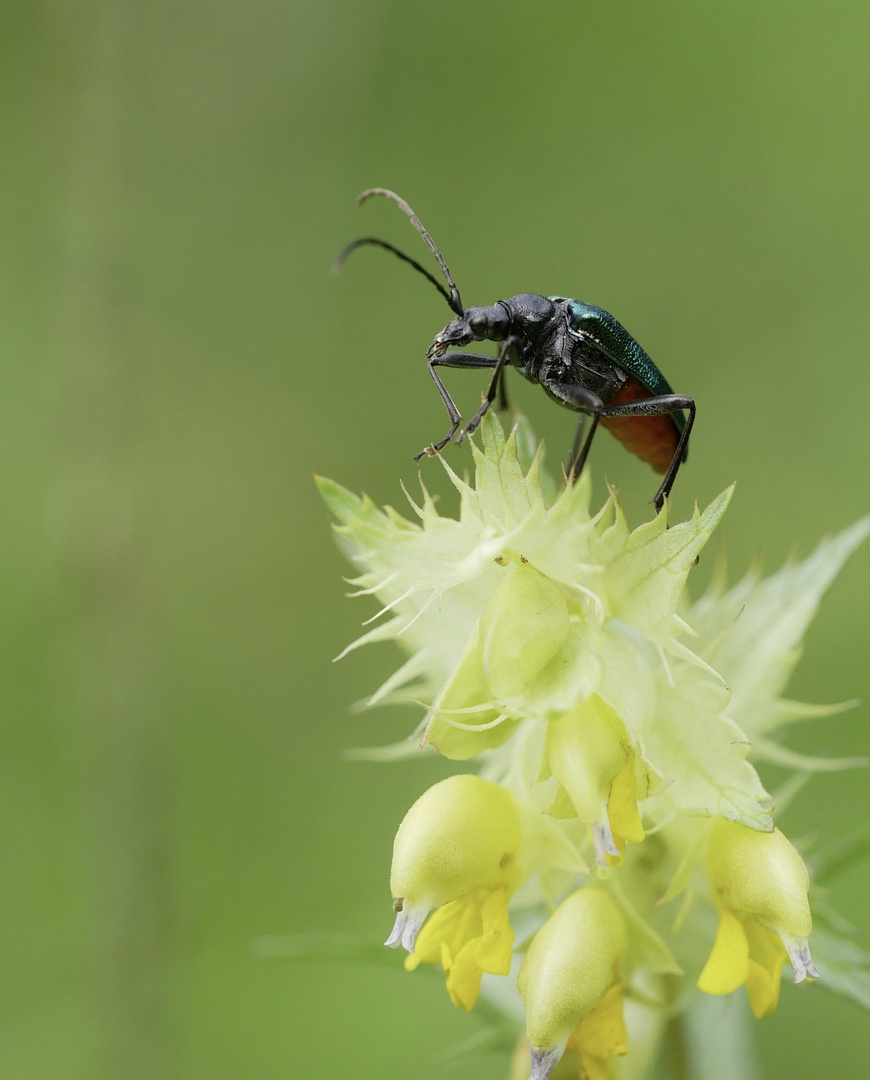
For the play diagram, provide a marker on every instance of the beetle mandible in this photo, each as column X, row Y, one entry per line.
column 582, row 357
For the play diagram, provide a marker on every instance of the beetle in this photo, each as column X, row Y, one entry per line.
column 579, row 353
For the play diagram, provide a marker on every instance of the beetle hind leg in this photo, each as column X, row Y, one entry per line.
column 663, row 405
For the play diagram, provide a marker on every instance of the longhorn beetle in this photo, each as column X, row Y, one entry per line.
column 582, row 357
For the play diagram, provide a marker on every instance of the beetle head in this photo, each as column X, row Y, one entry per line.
column 474, row 324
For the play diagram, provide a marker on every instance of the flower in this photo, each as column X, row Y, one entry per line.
column 616, row 728
column 462, row 834
column 760, row 884
column 457, row 850
column 569, row 982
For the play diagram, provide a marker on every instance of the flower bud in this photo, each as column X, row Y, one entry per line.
column 463, row 834
column 589, row 753
column 571, row 963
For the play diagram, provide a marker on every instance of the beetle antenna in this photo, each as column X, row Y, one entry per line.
column 453, row 300
column 345, row 251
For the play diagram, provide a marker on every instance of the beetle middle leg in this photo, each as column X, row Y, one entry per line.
column 589, row 403
column 575, row 445
column 514, row 355
column 453, row 360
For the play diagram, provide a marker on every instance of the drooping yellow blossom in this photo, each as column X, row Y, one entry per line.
column 571, row 966
column 457, row 850
column 760, row 883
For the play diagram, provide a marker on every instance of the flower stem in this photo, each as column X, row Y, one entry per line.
column 678, row 1059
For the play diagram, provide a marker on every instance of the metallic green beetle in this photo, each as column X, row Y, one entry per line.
column 580, row 354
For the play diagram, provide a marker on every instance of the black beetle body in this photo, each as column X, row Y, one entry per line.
column 579, row 353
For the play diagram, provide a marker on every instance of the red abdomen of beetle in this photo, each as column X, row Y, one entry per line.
column 652, row 438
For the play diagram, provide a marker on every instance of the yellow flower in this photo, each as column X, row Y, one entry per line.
column 570, row 974
column 760, row 885
column 457, row 850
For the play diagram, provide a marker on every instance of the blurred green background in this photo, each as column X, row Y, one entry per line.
column 176, row 363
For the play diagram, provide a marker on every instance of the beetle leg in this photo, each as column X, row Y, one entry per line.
column 514, row 355
column 453, row 360
column 502, row 391
column 584, row 401
column 575, row 446
column 495, row 382
column 661, row 406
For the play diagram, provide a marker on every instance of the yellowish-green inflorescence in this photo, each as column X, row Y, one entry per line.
column 613, row 854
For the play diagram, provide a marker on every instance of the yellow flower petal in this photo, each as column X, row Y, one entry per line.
column 467, row 937
column 594, row 1068
column 622, row 809
column 464, row 975
column 767, row 955
column 727, row 965
column 494, row 950
column 464, row 833
column 453, row 924
column 602, row 1033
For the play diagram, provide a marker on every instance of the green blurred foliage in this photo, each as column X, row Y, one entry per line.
column 177, row 361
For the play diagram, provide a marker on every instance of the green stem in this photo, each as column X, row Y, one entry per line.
column 675, row 1040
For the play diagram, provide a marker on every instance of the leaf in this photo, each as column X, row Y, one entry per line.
column 767, row 750
column 841, row 856
column 757, row 657
column 703, row 754
column 844, row 966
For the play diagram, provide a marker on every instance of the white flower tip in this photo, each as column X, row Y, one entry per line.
column 544, row 1060
column 798, row 950
column 406, row 928
column 395, row 938
column 602, row 840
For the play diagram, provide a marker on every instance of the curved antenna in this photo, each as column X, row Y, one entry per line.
column 454, row 301
column 354, row 244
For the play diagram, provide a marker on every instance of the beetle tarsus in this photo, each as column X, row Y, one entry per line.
column 435, row 448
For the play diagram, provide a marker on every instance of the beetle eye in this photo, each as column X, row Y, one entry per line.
column 478, row 324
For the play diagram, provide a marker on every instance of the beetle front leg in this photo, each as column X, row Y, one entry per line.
column 495, row 382
column 452, row 360
column 661, row 406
